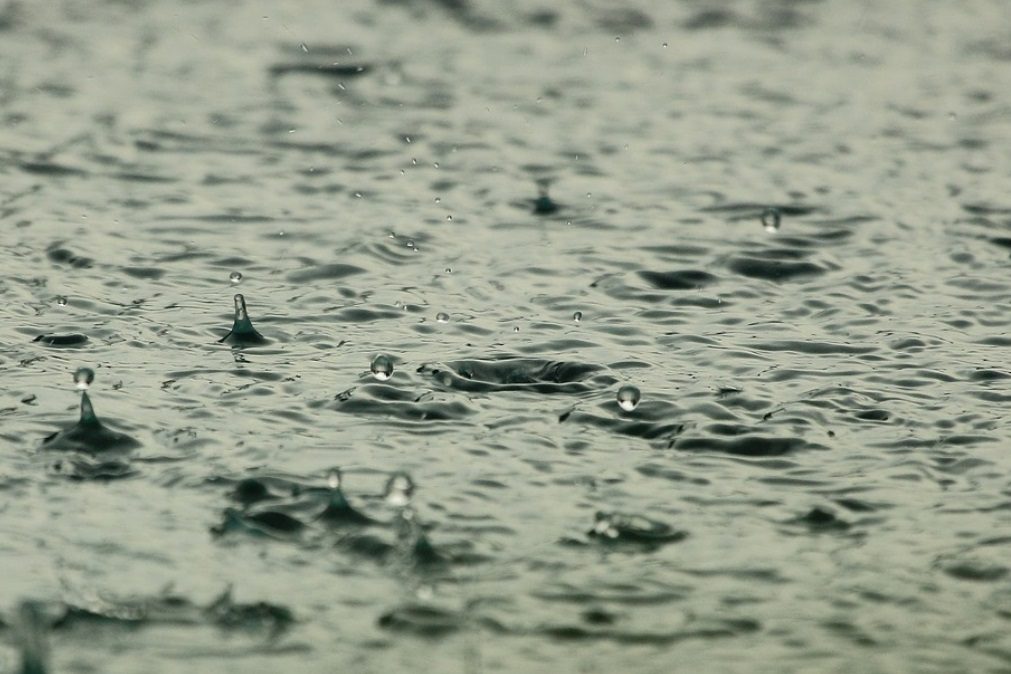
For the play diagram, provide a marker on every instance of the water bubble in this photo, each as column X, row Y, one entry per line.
column 382, row 367
column 438, row 200
column 235, row 277
column 449, row 270
column 449, row 217
column 83, row 378
column 770, row 219
column 628, row 398
column 664, row 45
column 61, row 300
column 442, row 317
column 516, row 329
column 333, row 479
column 399, row 490
column 578, row 316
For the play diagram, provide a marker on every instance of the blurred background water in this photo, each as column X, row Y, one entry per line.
column 520, row 207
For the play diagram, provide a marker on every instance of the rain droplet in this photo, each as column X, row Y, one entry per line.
column 304, row 47
column 664, row 45
column 770, row 219
column 628, row 398
column 438, row 200
column 61, row 300
column 382, row 367
column 578, row 316
column 442, row 317
column 333, row 479
column 399, row 490
column 516, row 329
column 449, row 217
column 235, row 277
column 83, row 378
column 449, row 270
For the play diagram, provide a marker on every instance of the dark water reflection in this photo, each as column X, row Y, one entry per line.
column 524, row 207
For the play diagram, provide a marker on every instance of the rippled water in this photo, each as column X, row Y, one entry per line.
column 521, row 208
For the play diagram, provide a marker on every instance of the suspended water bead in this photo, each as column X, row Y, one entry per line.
column 61, row 300
column 83, row 378
column 382, row 367
column 442, row 317
column 399, row 490
column 770, row 219
column 578, row 316
column 235, row 277
column 628, row 398
column 334, row 479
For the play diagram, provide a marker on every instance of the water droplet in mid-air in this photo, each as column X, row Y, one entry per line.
column 578, row 316
column 61, row 300
column 333, row 479
column 304, row 47
column 399, row 490
column 83, row 378
column 442, row 317
column 382, row 367
column 628, row 398
column 770, row 219
column 235, row 277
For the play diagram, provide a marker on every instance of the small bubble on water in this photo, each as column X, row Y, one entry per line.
column 628, row 398
column 399, row 490
column 382, row 367
column 61, row 300
column 617, row 38
column 516, row 328
column 664, row 45
column 235, row 277
column 442, row 317
column 449, row 270
column 771, row 219
column 578, row 316
column 83, row 378
column 449, row 217
column 333, row 479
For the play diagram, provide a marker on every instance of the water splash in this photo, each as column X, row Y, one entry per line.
column 399, row 490
column 338, row 510
column 242, row 333
column 89, row 434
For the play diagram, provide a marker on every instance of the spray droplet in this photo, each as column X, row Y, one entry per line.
column 628, row 398
column 235, row 277
column 83, row 378
column 578, row 316
column 399, row 490
column 61, row 300
column 382, row 367
column 770, row 219
column 333, row 479
column 442, row 317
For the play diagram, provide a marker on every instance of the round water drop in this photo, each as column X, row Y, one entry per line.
column 61, row 300
column 442, row 317
column 770, row 219
column 334, row 479
column 382, row 367
column 578, row 316
column 628, row 398
column 399, row 490
column 235, row 277
column 83, row 378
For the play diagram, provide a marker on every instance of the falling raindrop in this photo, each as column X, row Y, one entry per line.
column 61, row 300
column 442, row 317
column 628, row 398
column 382, row 367
column 83, row 378
column 578, row 316
column 304, row 47
column 770, row 219
column 235, row 277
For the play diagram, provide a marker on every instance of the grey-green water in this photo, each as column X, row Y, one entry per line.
column 816, row 478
